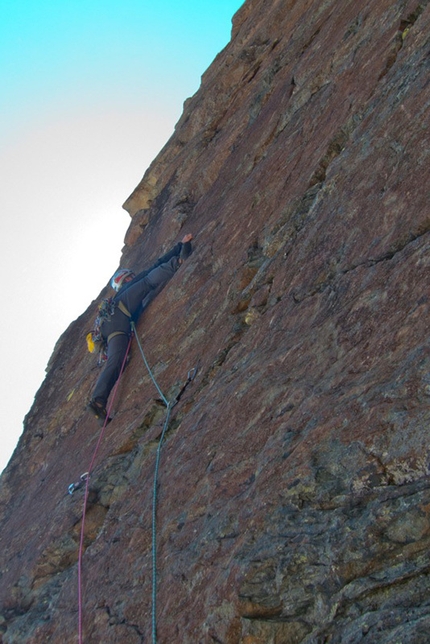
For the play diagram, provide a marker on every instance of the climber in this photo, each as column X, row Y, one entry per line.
column 135, row 292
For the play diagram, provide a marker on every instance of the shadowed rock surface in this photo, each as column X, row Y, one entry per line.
column 294, row 491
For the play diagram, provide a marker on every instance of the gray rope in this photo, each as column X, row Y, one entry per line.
column 154, row 494
column 164, row 399
column 154, row 530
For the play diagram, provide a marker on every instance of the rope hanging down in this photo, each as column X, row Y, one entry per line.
column 86, row 477
column 169, row 407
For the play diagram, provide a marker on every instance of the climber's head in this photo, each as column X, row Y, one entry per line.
column 122, row 276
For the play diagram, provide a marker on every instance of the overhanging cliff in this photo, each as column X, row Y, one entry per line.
column 294, row 496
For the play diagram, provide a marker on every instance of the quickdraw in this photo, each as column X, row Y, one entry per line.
column 75, row 486
column 190, row 377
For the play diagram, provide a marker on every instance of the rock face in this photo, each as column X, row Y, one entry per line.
column 293, row 496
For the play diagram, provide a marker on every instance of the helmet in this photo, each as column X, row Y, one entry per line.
column 119, row 277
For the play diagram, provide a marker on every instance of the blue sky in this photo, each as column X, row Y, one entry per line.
column 65, row 54
column 91, row 91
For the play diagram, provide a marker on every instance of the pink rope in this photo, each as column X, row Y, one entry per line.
column 87, row 485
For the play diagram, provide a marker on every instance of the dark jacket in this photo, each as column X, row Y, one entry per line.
column 131, row 300
column 174, row 252
column 135, row 295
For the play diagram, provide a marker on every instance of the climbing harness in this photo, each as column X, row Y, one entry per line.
column 96, row 341
column 85, row 478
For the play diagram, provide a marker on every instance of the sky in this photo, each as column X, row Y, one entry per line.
column 90, row 92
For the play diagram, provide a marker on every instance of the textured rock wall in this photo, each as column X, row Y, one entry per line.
column 294, row 501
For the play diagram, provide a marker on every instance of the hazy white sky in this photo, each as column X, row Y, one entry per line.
column 91, row 92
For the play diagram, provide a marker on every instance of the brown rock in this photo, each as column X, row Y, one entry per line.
column 293, row 499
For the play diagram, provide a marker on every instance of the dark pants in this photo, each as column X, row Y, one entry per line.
column 117, row 348
column 136, row 297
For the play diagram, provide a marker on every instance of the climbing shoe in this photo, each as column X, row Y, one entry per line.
column 186, row 251
column 97, row 408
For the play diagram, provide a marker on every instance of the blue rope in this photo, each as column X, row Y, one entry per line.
column 154, row 495
column 164, row 399
column 169, row 406
column 154, row 530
